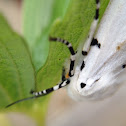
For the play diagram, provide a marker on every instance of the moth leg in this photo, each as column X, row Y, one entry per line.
column 73, row 54
column 42, row 93
column 49, row 90
column 65, row 78
column 90, row 40
column 65, row 81
column 85, row 50
column 63, row 74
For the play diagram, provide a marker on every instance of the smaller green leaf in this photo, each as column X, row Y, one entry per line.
column 38, row 17
column 40, row 51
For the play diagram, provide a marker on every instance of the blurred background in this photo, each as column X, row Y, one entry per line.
column 62, row 111
column 13, row 12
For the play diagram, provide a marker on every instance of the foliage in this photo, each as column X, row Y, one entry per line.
column 17, row 74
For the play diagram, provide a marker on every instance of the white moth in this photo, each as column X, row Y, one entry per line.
column 100, row 70
column 104, row 66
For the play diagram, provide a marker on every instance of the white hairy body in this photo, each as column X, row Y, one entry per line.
column 103, row 71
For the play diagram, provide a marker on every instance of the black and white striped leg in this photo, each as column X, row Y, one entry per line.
column 63, row 79
column 73, row 54
column 63, row 74
column 90, row 38
column 49, row 90
column 42, row 93
column 91, row 41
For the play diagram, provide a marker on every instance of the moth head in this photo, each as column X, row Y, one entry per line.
column 81, row 89
column 92, row 88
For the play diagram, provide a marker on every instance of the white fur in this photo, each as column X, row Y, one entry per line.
column 103, row 71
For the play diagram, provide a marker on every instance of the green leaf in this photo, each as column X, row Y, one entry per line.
column 74, row 28
column 16, row 69
column 38, row 17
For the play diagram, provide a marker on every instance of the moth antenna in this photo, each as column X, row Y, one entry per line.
column 73, row 53
column 42, row 93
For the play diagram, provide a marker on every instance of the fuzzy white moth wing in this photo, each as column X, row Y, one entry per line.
column 103, row 66
column 112, row 37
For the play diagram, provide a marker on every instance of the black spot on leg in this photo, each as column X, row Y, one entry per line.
column 32, row 91
column 124, row 66
column 52, row 39
column 49, row 90
column 84, row 53
column 97, row 1
column 68, row 81
column 97, row 10
column 82, row 85
column 82, row 66
column 67, row 43
column 71, row 67
column 99, row 45
column 63, row 74
column 95, row 42
column 72, row 50
column 97, row 14
column 60, row 86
